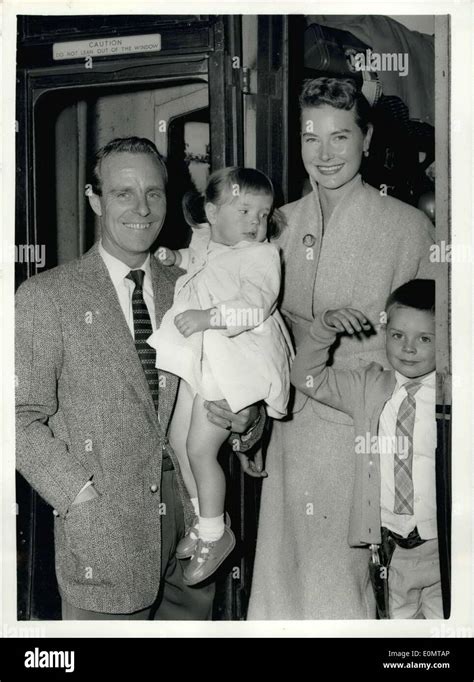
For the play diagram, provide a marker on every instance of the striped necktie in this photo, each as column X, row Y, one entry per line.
column 403, row 460
column 143, row 330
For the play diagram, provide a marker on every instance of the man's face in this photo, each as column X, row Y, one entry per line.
column 132, row 206
column 410, row 341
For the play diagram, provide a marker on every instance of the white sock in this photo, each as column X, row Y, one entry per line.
column 195, row 503
column 211, row 529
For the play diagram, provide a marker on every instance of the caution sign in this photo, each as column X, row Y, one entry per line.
column 107, row 47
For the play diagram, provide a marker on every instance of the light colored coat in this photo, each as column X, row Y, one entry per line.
column 84, row 409
column 372, row 244
column 362, row 395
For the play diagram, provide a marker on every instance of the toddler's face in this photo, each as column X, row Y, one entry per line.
column 243, row 219
column 410, row 341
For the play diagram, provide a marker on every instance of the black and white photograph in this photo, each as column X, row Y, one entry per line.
column 235, row 270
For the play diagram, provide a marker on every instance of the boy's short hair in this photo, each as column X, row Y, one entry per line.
column 417, row 293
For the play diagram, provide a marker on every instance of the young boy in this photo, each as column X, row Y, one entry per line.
column 394, row 502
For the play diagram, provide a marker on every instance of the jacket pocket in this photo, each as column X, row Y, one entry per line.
column 95, row 552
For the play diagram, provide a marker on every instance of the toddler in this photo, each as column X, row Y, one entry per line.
column 226, row 340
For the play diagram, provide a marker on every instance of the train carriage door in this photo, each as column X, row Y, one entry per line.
column 271, row 78
column 185, row 95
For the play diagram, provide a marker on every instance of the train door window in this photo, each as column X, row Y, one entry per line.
column 174, row 115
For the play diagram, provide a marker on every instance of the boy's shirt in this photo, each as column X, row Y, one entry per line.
column 423, row 468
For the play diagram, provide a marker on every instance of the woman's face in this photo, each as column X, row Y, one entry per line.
column 332, row 145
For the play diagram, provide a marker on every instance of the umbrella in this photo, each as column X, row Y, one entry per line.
column 380, row 556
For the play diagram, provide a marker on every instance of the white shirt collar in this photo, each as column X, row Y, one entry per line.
column 118, row 270
column 429, row 380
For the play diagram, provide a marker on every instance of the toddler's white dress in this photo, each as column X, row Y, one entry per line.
column 250, row 360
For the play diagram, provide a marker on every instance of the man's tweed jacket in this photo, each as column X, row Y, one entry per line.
column 84, row 410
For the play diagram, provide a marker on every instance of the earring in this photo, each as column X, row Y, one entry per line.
column 366, row 152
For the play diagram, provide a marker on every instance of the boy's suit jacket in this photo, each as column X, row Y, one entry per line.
column 84, row 410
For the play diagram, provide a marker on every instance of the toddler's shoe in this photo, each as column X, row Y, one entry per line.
column 207, row 557
column 187, row 544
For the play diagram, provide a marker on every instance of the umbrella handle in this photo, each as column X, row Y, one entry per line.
column 375, row 557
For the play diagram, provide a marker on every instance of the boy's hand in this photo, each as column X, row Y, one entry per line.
column 347, row 320
column 192, row 321
column 166, row 256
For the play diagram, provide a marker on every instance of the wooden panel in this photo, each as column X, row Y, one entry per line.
column 272, row 102
column 35, row 46
column 443, row 208
column 443, row 306
column 225, row 94
column 44, row 28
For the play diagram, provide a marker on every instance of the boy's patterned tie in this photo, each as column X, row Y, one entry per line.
column 143, row 329
column 403, row 460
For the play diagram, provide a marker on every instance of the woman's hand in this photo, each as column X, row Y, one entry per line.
column 219, row 413
column 347, row 320
column 192, row 321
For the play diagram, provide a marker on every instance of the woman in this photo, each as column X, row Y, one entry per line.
column 346, row 244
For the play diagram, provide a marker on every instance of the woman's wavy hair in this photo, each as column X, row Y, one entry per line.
column 340, row 93
column 223, row 187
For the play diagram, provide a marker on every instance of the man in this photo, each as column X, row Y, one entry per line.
column 93, row 412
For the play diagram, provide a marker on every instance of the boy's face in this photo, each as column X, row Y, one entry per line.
column 410, row 341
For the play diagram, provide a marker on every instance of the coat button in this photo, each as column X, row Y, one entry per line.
column 309, row 240
column 153, row 488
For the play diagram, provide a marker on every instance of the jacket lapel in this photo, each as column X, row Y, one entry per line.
column 164, row 279
column 114, row 335
column 112, row 332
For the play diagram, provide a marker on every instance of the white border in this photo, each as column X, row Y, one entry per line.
column 461, row 621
